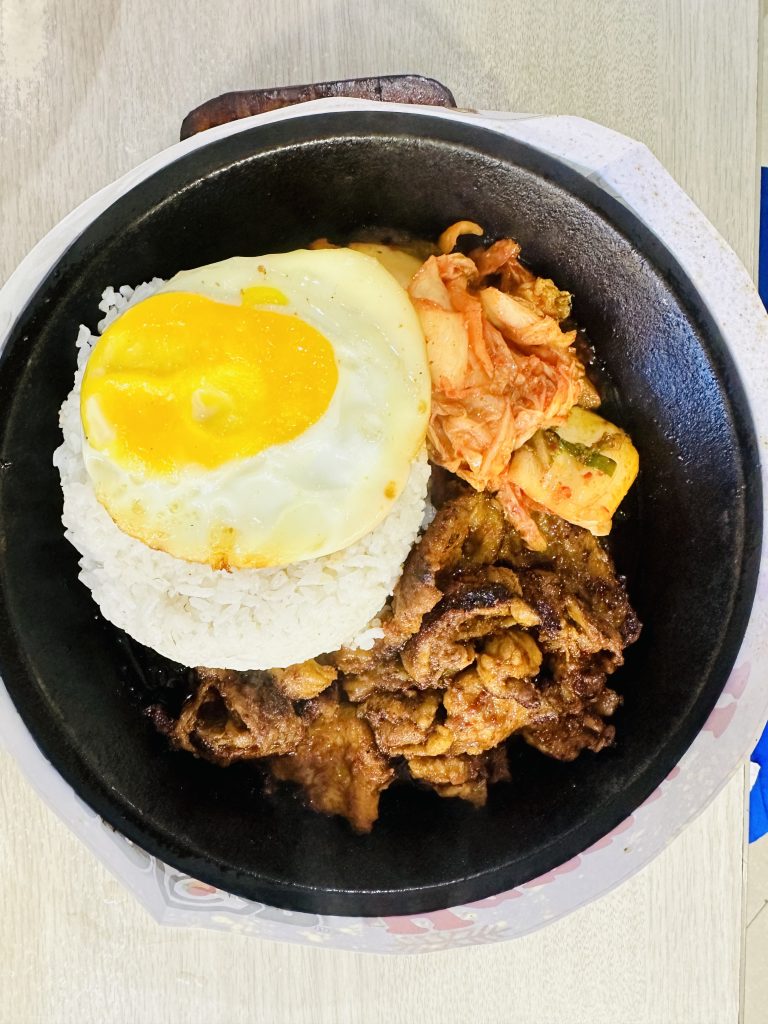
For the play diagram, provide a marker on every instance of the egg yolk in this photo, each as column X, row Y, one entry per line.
column 263, row 295
column 183, row 380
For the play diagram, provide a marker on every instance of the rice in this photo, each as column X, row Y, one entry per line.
column 239, row 619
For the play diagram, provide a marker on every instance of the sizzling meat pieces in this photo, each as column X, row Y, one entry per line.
column 475, row 606
column 337, row 762
column 405, row 724
column 462, row 775
column 479, row 720
column 304, row 681
column 236, row 715
column 485, row 639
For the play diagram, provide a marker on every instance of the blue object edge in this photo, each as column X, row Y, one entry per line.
column 758, row 797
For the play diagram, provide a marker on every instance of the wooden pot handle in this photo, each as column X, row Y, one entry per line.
column 231, row 106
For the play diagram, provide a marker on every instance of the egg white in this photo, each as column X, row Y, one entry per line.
column 329, row 486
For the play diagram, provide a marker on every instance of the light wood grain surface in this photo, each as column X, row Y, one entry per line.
column 87, row 90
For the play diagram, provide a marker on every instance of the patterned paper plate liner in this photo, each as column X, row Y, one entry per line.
column 629, row 172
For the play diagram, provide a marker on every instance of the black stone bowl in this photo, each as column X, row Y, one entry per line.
column 690, row 547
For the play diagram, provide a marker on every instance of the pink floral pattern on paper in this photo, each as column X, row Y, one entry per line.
column 722, row 716
column 720, row 719
column 403, row 925
column 550, row 876
column 433, row 941
column 199, row 889
column 606, row 841
column 738, row 680
column 437, row 920
column 495, row 901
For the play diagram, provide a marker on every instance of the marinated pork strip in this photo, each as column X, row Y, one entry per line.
column 475, row 607
column 406, row 724
column 463, row 776
column 337, row 762
column 304, row 681
column 234, row 716
column 486, row 640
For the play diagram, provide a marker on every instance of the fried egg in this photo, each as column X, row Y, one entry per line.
column 259, row 411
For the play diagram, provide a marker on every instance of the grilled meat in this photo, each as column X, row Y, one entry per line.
column 337, row 762
column 485, row 640
column 234, row 716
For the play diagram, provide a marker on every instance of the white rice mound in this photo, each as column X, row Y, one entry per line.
column 240, row 619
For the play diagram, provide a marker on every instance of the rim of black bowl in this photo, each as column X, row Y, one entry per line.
column 374, row 902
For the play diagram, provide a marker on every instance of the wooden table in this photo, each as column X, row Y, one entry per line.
column 87, row 90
